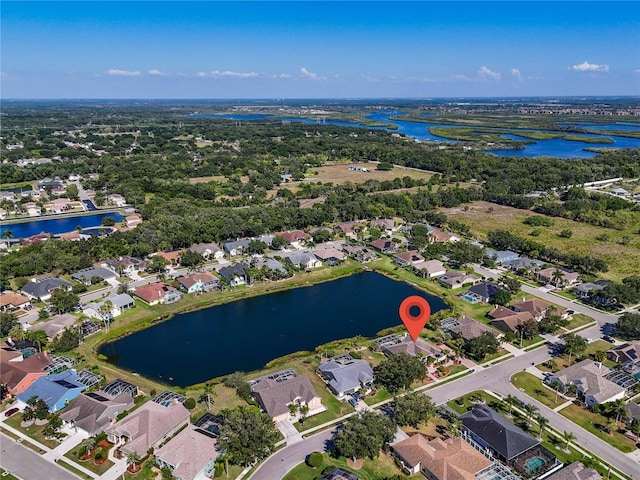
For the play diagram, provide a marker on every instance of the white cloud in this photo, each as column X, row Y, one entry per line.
column 155, row 72
column 311, row 75
column 228, row 73
column 636, row 71
column 486, row 72
column 461, row 77
column 123, row 73
column 516, row 74
column 589, row 67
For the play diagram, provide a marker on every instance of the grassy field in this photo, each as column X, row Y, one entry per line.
column 381, row 467
column 533, row 387
column 623, row 260
column 33, row 431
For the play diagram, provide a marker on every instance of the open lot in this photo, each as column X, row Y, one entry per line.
column 623, row 260
column 340, row 173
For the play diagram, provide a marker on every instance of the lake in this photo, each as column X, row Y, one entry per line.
column 245, row 335
column 56, row 226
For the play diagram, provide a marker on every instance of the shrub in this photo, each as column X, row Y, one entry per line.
column 314, row 459
column 190, row 403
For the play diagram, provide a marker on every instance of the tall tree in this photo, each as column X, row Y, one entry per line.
column 364, row 435
column 574, row 344
column 399, row 371
column 413, row 409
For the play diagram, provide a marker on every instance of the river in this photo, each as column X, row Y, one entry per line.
column 246, row 334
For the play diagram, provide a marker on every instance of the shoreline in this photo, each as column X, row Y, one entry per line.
column 54, row 216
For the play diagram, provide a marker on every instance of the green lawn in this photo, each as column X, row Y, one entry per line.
column 33, row 431
column 74, row 470
column 90, row 464
column 381, row 467
column 6, row 475
column 578, row 320
column 465, row 402
column 595, row 423
column 533, row 387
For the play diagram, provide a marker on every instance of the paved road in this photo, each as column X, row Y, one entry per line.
column 28, row 465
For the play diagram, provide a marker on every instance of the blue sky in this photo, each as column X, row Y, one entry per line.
column 358, row 49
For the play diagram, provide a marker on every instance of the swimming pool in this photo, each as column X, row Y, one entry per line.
column 534, row 464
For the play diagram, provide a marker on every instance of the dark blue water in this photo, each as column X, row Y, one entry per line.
column 611, row 126
column 55, row 226
column 246, row 334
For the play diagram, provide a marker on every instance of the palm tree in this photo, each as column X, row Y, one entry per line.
column 511, row 400
column 132, row 459
column 530, row 410
column 453, row 427
column 568, row 437
column 542, row 423
column 556, row 277
column 599, row 356
column 612, row 425
column 17, row 333
column 208, row 389
column 39, row 338
column 105, row 313
column 88, row 444
column 619, row 407
column 635, row 428
column 7, row 234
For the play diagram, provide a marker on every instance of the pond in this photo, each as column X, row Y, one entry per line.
column 245, row 335
column 55, row 226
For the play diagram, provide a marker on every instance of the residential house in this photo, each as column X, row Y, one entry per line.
column 588, row 377
column 395, row 344
column 70, row 236
column 349, row 229
column 523, row 264
column 266, row 239
column 430, row 269
column 117, row 200
column 32, row 209
column 438, row 459
column 56, row 390
column 158, row 292
column 286, row 178
column 296, row 236
column 438, row 236
column 171, row 256
column 346, row 375
column 35, row 239
column 330, row 256
column 10, row 302
column 43, row 288
column 60, row 205
column 490, row 430
column 190, row 455
column 47, row 182
column 147, row 427
column 412, row 257
column 385, row 225
column 87, row 274
column 209, row 251
column 119, row 303
column 620, row 191
column 357, row 168
column 632, row 412
column 19, row 373
column 235, row 275
column 501, row 256
column 455, row 279
column 467, row 328
column 93, row 412
column 536, row 307
column 306, row 260
column 199, row 282
column 575, row 471
column 384, row 245
column 3, row 214
column 275, row 396
column 512, row 322
column 273, row 265
column 55, row 325
column 361, row 254
column 588, row 289
column 236, row 247
column 485, row 291
column 125, row 266
column 628, row 352
column 557, row 276
column 132, row 221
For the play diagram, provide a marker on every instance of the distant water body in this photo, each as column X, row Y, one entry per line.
column 246, row 334
column 420, row 131
column 56, row 226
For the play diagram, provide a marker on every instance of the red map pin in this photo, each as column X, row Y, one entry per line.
column 414, row 324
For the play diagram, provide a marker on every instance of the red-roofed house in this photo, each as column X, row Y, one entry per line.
column 295, row 236
column 385, row 245
column 10, row 301
column 158, row 292
column 19, row 376
column 171, row 256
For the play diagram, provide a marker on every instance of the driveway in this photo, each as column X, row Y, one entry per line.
column 291, row 435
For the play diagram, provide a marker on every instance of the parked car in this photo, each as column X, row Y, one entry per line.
column 608, row 339
column 11, row 411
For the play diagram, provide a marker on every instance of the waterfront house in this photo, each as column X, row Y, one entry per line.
column 235, row 275
column 412, row 257
column 92, row 412
column 55, row 325
column 158, row 292
column 60, row 205
column 56, row 390
column 132, row 221
column 430, row 269
column 86, row 275
column 190, row 455
column 384, row 245
column 19, row 373
column 589, row 378
column 330, row 256
column 119, row 303
column 438, row 459
column 455, row 279
column 360, row 254
column 70, row 236
column 346, row 375
column 628, row 352
column 10, row 302
column 394, row 344
column 147, row 427
column 47, row 182
column 484, row 291
column 199, row 282
column 273, row 265
column 43, row 288
column 117, row 200
column 275, row 395
column 304, row 260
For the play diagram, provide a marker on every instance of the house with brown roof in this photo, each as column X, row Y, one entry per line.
column 361, row 254
column 384, row 245
column 412, row 257
column 147, row 427
column 627, row 352
column 132, row 221
column 18, row 376
column 406, row 345
column 430, row 269
column 511, row 323
column 331, row 256
column 468, row 328
column 199, row 282
column 455, row 279
column 56, row 325
column 565, row 278
column 438, row 459
column 190, row 455
column 588, row 377
column 10, row 301
column 438, row 236
column 70, row 236
column 348, row 229
column 296, row 236
column 209, row 251
column 171, row 256
column 158, row 292
column 275, row 397
column 385, row 225
column 535, row 306
column 93, row 412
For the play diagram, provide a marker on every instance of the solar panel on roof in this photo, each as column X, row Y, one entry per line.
column 97, row 397
column 65, row 384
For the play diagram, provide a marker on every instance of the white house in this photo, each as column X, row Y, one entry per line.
column 119, row 303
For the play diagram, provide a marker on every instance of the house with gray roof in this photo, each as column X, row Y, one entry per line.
column 235, row 275
column 273, row 265
column 575, row 471
column 491, row 430
column 55, row 325
column 468, row 328
column 124, row 265
column 236, row 247
column 455, row 279
column 43, row 288
column 523, row 263
column 306, row 260
column 331, row 256
column 119, row 303
column 589, row 378
column 209, row 251
column 346, row 375
column 276, row 396
column 627, row 352
column 93, row 412
column 86, row 274
column 501, row 256
column 190, row 455
column 395, row 344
